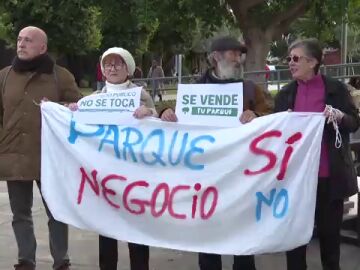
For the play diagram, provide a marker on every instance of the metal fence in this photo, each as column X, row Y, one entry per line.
column 272, row 80
column 282, row 75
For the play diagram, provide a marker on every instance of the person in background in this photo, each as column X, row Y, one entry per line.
column 138, row 76
column 354, row 86
column 100, row 80
column 156, row 73
column 312, row 92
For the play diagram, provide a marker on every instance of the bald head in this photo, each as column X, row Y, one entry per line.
column 31, row 42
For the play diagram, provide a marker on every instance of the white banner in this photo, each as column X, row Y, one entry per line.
column 243, row 190
column 108, row 108
column 210, row 104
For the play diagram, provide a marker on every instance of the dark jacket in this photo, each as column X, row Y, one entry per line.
column 343, row 179
column 254, row 98
column 20, row 118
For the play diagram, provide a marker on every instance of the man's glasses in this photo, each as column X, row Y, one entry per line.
column 116, row 66
column 294, row 58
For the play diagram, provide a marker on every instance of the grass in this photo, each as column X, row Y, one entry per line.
column 273, row 93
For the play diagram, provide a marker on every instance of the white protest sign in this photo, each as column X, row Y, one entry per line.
column 108, row 108
column 210, row 104
column 244, row 190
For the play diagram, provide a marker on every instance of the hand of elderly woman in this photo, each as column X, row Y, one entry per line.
column 142, row 112
column 333, row 114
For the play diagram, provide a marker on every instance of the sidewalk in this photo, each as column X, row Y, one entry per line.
column 84, row 248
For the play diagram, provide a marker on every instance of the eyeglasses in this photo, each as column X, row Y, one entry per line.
column 116, row 66
column 294, row 58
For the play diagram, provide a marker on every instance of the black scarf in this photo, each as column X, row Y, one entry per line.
column 40, row 64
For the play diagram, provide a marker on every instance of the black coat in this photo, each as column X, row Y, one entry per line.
column 343, row 178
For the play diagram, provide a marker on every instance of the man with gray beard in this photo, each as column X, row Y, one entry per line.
column 226, row 59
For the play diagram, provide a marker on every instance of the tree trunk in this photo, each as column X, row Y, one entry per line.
column 258, row 43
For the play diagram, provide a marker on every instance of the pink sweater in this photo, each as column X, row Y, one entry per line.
column 310, row 97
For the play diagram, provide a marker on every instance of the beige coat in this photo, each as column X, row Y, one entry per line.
column 20, row 125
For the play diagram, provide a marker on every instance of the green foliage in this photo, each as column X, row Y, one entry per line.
column 279, row 49
column 181, row 21
column 172, row 26
column 353, row 43
column 263, row 13
column 72, row 26
column 128, row 23
column 354, row 13
column 3, row 28
column 266, row 21
column 162, row 27
column 79, row 26
column 321, row 21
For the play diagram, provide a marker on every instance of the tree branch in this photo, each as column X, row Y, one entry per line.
column 249, row 4
column 240, row 9
column 277, row 25
column 288, row 16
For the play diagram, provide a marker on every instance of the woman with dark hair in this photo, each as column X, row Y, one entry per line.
column 313, row 92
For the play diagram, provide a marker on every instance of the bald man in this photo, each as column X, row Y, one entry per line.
column 32, row 42
column 32, row 77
